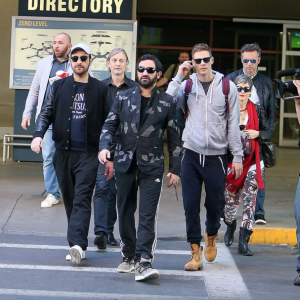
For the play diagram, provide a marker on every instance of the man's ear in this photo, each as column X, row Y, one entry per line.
column 69, row 48
column 159, row 74
column 91, row 61
column 212, row 60
column 258, row 60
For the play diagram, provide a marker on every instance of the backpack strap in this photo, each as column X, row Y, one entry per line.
column 226, row 90
column 187, row 90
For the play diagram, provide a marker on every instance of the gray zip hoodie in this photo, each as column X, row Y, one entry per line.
column 209, row 129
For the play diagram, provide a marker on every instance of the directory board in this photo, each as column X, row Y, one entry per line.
column 32, row 39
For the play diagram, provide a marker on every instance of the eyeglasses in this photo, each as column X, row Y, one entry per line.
column 246, row 89
column 253, row 61
column 149, row 70
column 205, row 60
column 82, row 58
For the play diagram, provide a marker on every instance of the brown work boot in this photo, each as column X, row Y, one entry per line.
column 210, row 251
column 196, row 262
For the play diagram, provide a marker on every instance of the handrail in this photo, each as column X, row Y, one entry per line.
column 7, row 143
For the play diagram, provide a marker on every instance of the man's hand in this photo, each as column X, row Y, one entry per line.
column 36, row 144
column 237, row 169
column 109, row 170
column 174, row 179
column 25, row 122
column 297, row 84
column 103, row 155
column 185, row 67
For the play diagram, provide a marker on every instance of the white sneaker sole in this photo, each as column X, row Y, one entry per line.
column 260, row 222
column 46, row 204
column 119, row 270
column 75, row 256
column 150, row 276
column 68, row 257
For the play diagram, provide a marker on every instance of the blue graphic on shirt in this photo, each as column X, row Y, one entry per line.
column 78, row 123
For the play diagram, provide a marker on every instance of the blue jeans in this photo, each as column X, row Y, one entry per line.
column 50, row 178
column 105, row 213
column 260, row 199
column 297, row 217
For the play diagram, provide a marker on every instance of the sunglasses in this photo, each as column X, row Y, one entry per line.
column 242, row 127
column 82, row 58
column 149, row 70
column 253, row 61
column 205, row 60
column 246, row 89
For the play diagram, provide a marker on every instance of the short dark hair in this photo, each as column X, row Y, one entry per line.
column 201, row 47
column 183, row 51
column 251, row 47
column 243, row 79
column 158, row 65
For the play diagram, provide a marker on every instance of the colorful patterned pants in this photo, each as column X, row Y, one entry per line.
column 233, row 200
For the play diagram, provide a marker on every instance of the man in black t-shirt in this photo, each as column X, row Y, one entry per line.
column 142, row 114
column 77, row 106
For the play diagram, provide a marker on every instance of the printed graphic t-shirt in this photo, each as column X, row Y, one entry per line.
column 78, row 133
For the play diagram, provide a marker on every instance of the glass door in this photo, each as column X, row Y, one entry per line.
column 289, row 125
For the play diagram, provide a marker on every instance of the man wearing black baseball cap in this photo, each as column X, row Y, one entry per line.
column 77, row 107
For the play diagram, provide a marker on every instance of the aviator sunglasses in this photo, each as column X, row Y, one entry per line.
column 149, row 70
column 253, row 61
column 246, row 89
column 82, row 58
column 205, row 60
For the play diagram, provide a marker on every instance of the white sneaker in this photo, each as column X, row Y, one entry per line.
column 49, row 201
column 68, row 256
column 76, row 254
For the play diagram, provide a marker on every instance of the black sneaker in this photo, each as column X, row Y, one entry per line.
column 260, row 220
column 101, row 240
column 297, row 280
column 111, row 239
column 144, row 270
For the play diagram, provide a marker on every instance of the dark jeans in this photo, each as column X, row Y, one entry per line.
column 105, row 213
column 260, row 199
column 76, row 173
column 210, row 170
column 150, row 186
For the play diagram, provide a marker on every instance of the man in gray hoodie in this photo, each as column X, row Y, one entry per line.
column 211, row 127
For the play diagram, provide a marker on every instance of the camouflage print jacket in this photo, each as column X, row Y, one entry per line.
column 145, row 138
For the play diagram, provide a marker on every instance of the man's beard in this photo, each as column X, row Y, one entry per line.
column 63, row 53
column 149, row 84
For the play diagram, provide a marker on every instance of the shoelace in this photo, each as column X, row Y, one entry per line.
column 127, row 260
column 143, row 266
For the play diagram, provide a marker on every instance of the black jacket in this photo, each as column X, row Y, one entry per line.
column 112, row 92
column 264, row 87
column 145, row 138
column 57, row 110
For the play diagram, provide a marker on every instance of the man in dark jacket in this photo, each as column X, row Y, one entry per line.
column 77, row 106
column 143, row 114
column 263, row 95
column 105, row 214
